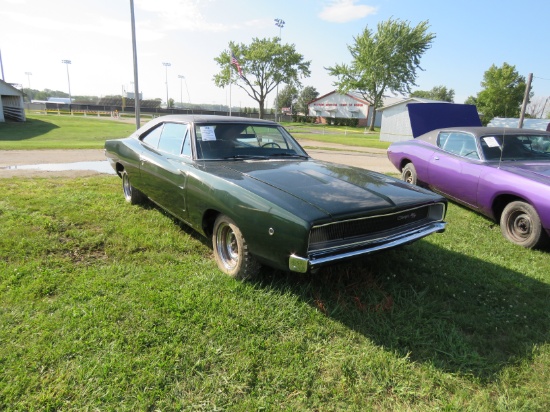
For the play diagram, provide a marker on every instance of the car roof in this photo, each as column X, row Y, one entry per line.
column 479, row 131
column 204, row 118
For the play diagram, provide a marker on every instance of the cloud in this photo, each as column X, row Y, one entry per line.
column 187, row 15
column 342, row 11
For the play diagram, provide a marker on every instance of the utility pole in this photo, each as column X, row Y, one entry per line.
column 134, row 52
column 525, row 100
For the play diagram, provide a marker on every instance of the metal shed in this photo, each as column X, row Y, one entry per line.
column 537, row 124
column 396, row 125
column 11, row 103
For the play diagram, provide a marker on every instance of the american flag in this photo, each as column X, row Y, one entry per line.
column 237, row 65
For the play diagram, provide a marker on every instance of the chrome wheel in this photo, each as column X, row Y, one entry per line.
column 231, row 251
column 131, row 194
column 227, row 246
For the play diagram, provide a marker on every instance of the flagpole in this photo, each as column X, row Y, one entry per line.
column 230, row 78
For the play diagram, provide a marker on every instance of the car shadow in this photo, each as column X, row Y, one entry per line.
column 458, row 313
column 455, row 312
column 13, row 131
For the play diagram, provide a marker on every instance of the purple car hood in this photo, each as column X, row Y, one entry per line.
column 333, row 189
column 533, row 170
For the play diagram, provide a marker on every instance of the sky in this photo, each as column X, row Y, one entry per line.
column 96, row 36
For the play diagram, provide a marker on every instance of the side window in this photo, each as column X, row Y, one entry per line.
column 186, row 151
column 152, row 138
column 171, row 140
column 461, row 144
column 442, row 139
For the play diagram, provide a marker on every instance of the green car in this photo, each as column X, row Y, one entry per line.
column 248, row 185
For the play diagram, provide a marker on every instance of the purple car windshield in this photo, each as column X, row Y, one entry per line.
column 516, row 147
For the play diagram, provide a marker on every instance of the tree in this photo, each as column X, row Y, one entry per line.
column 383, row 61
column 265, row 64
column 502, row 94
column 437, row 93
column 287, row 97
column 307, row 94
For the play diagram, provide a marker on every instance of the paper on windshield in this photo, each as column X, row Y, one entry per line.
column 207, row 133
column 491, row 141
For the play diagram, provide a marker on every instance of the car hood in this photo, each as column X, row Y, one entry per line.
column 334, row 189
column 533, row 170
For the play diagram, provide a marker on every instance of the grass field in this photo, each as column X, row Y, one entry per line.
column 106, row 306
column 61, row 132
column 74, row 132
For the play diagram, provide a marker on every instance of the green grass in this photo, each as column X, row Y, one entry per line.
column 76, row 132
column 61, row 132
column 348, row 136
column 106, row 306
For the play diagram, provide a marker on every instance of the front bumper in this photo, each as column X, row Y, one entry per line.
column 325, row 257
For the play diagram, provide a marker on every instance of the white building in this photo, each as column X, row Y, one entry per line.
column 343, row 106
column 395, row 122
column 11, row 103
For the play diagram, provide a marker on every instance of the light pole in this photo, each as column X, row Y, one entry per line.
column 29, row 79
column 166, row 65
column 67, row 62
column 183, row 79
column 280, row 23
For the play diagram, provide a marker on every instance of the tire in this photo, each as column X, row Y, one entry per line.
column 131, row 194
column 231, row 251
column 520, row 224
column 408, row 174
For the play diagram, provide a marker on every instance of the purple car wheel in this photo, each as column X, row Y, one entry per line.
column 520, row 224
column 231, row 251
column 408, row 174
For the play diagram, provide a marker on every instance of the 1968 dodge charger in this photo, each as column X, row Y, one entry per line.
column 248, row 185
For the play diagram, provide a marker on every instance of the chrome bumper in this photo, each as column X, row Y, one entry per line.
column 324, row 257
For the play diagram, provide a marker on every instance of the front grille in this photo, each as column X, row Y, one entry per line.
column 371, row 228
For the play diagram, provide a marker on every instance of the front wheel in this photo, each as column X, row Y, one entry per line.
column 408, row 174
column 231, row 251
column 520, row 224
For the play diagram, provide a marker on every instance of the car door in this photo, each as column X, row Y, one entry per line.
column 455, row 169
column 165, row 169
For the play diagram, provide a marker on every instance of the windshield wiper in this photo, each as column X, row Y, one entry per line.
column 289, row 155
column 241, row 157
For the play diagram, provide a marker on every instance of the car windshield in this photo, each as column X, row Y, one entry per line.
column 516, row 147
column 237, row 141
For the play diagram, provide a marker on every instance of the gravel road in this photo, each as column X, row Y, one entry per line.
column 373, row 159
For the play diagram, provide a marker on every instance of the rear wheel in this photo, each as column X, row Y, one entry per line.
column 408, row 174
column 231, row 251
column 520, row 224
column 131, row 194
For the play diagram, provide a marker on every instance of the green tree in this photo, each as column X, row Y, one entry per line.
column 440, row 93
column 265, row 63
column 307, row 94
column 502, row 94
column 383, row 61
column 287, row 97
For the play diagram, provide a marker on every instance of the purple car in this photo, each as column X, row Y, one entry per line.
column 502, row 173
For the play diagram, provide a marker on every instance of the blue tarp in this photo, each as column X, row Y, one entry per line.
column 426, row 117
